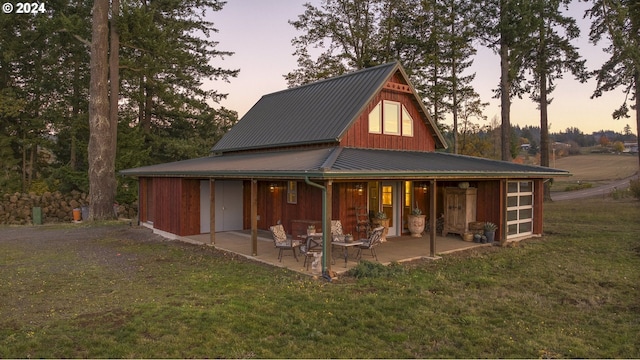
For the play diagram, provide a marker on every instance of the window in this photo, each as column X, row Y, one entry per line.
column 292, row 192
column 375, row 120
column 407, row 122
column 391, row 118
column 387, row 195
column 519, row 208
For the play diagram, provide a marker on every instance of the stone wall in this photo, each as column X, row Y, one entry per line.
column 17, row 209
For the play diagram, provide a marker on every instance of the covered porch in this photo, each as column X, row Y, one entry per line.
column 395, row 249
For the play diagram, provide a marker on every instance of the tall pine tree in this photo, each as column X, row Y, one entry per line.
column 552, row 56
column 618, row 21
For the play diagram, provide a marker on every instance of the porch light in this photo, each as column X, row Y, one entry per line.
column 272, row 187
column 424, row 187
column 360, row 189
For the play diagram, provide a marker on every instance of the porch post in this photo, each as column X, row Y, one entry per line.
column 432, row 218
column 504, row 193
column 254, row 217
column 212, row 212
column 327, row 225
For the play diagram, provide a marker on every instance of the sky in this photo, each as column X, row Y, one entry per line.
column 258, row 33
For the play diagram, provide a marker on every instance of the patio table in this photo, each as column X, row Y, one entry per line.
column 346, row 246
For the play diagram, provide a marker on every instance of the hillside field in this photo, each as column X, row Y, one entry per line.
column 597, row 169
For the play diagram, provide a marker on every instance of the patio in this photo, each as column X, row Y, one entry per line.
column 395, row 249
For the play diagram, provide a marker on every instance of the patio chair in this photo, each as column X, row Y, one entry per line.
column 283, row 242
column 310, row 249
column 371, row 243
column 336, row 231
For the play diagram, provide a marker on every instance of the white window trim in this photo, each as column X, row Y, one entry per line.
column 406, row 130
column 398, row 128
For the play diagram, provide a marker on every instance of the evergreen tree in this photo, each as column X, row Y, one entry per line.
column 618, row 22
column 504, row 25
column 552, row 55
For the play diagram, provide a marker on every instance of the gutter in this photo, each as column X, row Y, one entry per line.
column 325, row 272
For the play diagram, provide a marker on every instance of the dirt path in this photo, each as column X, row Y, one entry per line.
column 85, row 240
column 603, row 190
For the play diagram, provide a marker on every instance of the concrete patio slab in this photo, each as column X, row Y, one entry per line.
column 395, row 249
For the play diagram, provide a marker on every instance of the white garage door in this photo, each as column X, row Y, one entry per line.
column 228, row 206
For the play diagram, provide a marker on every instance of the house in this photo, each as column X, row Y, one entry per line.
column 342, row 148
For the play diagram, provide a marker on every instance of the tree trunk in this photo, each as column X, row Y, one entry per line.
column 505, row 100
column 102, row 182
column 544, row 115
column 114, row 75
column 637, row 92
column 544, row 132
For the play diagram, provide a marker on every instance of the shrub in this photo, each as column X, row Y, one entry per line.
column 617, row 194
column 368, row 269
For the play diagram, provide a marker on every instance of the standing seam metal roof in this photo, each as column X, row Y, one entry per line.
column 339, row 162
column 318, row 112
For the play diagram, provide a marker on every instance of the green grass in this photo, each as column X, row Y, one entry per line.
column 573, row 293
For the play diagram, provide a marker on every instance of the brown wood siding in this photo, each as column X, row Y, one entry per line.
column 346, row 198
column 166, row 194
column 143, row 206
column 190, row 207
column 177, row 205
column 358, row 135
column 490, row 204
column 273, row 206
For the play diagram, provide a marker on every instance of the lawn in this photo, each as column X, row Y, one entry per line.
column 572, row 293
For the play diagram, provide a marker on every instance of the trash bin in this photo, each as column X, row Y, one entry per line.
column 85, row 213
column 76, row 214
column 37, row 216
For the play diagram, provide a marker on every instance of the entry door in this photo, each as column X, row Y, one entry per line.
column 390, row 201
column 228, row 206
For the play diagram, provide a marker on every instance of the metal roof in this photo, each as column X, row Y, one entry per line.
column 319, row 112
column 340, row 162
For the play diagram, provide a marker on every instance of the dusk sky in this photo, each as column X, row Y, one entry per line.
column 260, row 35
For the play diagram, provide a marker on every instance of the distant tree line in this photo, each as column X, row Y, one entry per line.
column 476, row 140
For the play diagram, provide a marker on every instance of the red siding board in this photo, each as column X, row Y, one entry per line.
column 358, row 135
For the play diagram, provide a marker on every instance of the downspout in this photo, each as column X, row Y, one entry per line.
column 325, row 273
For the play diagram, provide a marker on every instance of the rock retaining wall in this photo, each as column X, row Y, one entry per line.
column 17, row 209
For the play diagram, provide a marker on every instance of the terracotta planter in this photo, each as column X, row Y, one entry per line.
column 416, row 224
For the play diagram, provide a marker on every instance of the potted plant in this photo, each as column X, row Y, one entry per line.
column 381, row 220
column 416, row 222
column 490, row 231
column 348, row 238
column 311, row 229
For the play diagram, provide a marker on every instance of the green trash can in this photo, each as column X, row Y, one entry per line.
column 37, row 216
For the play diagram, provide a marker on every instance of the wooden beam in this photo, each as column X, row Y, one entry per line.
column 212, row 211
column 398, row 87
column 254, row 217
column 433, row 217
